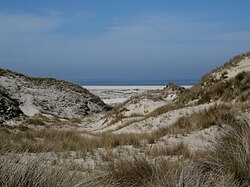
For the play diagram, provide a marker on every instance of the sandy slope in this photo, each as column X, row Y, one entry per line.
column 244, row 65
column 233, row 70
column 103, row 123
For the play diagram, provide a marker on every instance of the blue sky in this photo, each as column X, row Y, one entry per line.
column 121, row 39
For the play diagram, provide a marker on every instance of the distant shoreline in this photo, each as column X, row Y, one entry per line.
column 187, row 82
column 118, row 87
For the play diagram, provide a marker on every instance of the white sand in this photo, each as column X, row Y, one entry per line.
column 114, row 100
column 161, row 121
column 232, row 71
column 244, row 65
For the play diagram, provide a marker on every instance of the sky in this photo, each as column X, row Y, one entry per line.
column 121, row 39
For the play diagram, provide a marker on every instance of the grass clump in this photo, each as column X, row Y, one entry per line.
column 226, row 163
column 139, row 171
column 180, row 149
column 15, row 172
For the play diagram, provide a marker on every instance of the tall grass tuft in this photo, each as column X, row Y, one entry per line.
column 139, row 171
column 226, row 163
column 35, row 172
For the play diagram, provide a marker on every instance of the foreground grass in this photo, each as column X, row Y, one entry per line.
column 47, row 140
column 139, row 171
column 15, row 172
column 225, row 163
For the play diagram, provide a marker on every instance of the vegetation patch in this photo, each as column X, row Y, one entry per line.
column 234, row 89
column 226, row 163
column 215, row 115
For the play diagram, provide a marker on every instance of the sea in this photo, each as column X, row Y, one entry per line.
column 186, row 82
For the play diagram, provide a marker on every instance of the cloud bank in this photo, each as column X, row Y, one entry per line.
column 152, row 45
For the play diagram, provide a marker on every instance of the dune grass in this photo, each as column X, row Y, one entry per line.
column 60, row 140
column 215, row 115
column 226, row 91
column 36, row 172
column 226, row 163
column 46, row 140
column 139, row 171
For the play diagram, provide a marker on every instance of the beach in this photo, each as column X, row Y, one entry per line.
column 114, row 95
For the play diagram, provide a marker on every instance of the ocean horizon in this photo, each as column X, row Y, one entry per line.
column 186, row 82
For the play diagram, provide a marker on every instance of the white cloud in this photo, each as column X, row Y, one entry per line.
column 27, row 23
column 161, row 27
column 148, row 41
